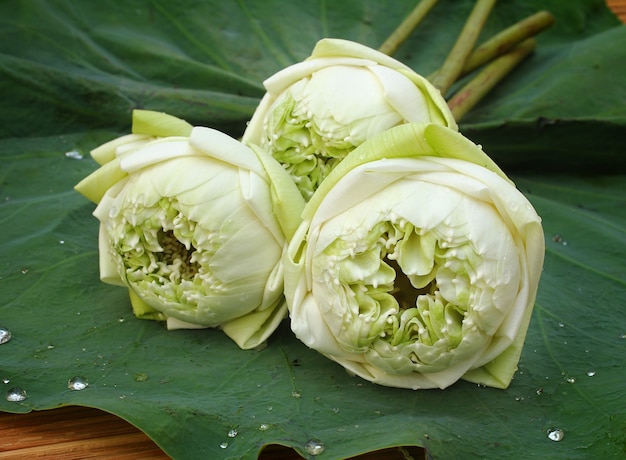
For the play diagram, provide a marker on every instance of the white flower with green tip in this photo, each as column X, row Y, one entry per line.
column 194, row 223
column 417, row 263
column 316, row 111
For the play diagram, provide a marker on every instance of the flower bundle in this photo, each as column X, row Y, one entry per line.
column 352, row 206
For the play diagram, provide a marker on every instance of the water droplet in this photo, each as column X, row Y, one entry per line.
column 5, row 380
column 591, row 372
column 24, row 270
column 232, row 433
column 335, row 410
column 556, row 434
column 61, row 241
column 571, row 380
column 296, row 394
column 50, row 347
column 270, row 407
column 539, row 391
column 140, row 377
column 561, row 325
column 16, row 394
column 77, row 383
column 74, row 155
column 622, row 336
column 264, row 426
column 121, row 320
column 314, row 447
column 5, row 335
column 224, row 445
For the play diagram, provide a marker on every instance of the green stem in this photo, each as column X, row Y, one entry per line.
column 445, row 77
column 507, row 39
column 407, row 26
column 468, row 96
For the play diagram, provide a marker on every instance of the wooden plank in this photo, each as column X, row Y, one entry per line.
column 76, row 433
column 73, row 433
column 619, row 8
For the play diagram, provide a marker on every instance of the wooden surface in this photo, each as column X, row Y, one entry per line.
column 78, row 433
column 618, row 7
column 72, row 433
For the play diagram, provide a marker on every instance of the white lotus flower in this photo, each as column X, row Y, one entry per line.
column 194, row 224
column 316, row 111
column 417, row 263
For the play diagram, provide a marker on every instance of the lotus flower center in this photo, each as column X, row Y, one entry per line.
column 403, row 291
column 173, row 251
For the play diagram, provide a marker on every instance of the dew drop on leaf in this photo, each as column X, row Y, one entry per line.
column 77, row 383
column 74, row 155
column 5, row 380
column 5, row 335
column 314, row 447
column 556, row 434
column 591, row 372
column 232, row 433
column 224, row 445
column 264, row 426
column 16, row 394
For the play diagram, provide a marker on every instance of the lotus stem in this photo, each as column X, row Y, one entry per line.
column 449, row 72
column 398, row 36
column 468, row 96
column 507, row 40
